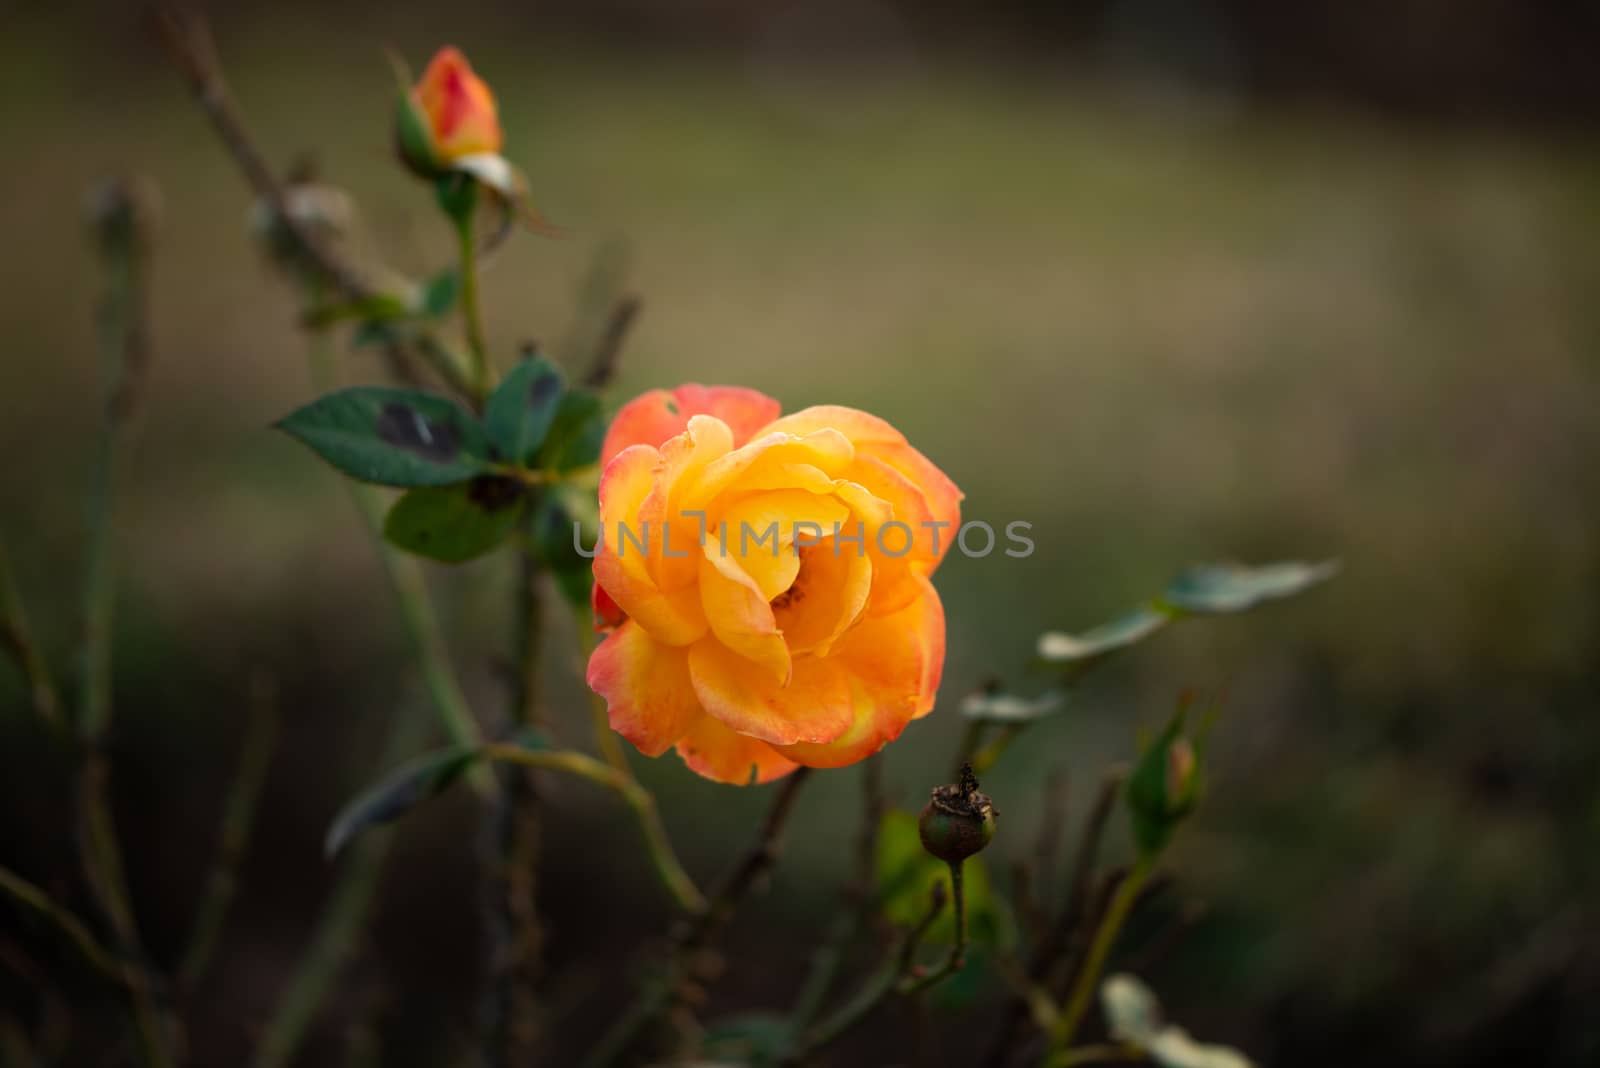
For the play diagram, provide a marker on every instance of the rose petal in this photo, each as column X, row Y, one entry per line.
column 815, row 706
column 622, row 566
column 649, row 695
column 654, row 417
column 716, row 752
column 894, row 664
column 826, row 598
column 461, row 111
column 872, row 436
column 741, row 618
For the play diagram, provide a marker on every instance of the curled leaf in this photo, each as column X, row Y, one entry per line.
column 408, row 786
column 1009, row 708
column 1057, row 647
column 1133, row 1014
column 1215, row 588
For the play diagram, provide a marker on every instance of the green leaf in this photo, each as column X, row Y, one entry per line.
column 414, row 782
column 1056, row 647
column 560, row 508
column 1214, row 588
column 439, row 293
column 408, row 786
column 1009, row 708
column 905, row 872
column 523, row 408
column 576, row 434
column 377, row 308
column 1207, row 589
column 393, row 437
column 1133, row 1014
column 453, row 524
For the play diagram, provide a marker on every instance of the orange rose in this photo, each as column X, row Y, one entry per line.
column 769, row 578
column 450, row 114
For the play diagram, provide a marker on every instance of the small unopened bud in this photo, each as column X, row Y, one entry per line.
column 1165, row 786
column 1180, row 770
column 958, row 821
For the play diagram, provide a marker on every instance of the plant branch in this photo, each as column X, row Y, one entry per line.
column 35, row 899
column 1058, row 939
column 508, row 1005
column 608, row 351
column 16, row 636
column 1104, row 1053
column 471, row 305
column 238, row 820
column 1099, row 949
column 122, row 217
column 189, row 45
column 957, row 958
column 409, row 584
column 668, row 868
column 829, row 957
column 338, row 930
column 692, row 938
column 877, row 988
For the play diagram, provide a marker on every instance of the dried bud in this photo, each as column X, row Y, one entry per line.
column 323, row 212
column 958, row 821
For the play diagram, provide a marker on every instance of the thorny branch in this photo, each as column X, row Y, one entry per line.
column 697, row 934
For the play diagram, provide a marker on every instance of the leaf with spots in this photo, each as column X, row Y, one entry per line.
column 521, row 410
column 454, row 524
column 393, row 437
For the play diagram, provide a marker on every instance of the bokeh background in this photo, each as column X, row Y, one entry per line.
column 1171, row 281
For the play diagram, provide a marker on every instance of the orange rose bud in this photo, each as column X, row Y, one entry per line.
column 768, row 578
column 448, row 115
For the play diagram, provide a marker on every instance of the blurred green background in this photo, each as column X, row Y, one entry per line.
column 1171, row 282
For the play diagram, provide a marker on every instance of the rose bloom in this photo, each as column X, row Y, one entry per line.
column 457, row 109
column 751, row 661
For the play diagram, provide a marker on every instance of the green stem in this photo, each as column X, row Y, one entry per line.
column 17, row 636
column 695, row 936
column 873, row 992
column 1094, row 963
column 123, row 238
column 957, row 958
column 1104, row 1053
column 238, row 819
column 971, row 738
column 985, row 758
column 410, row 588
column 668, row 868
column 471, row 310
column 510, row 847
column 35, row 899
column 338, row 931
